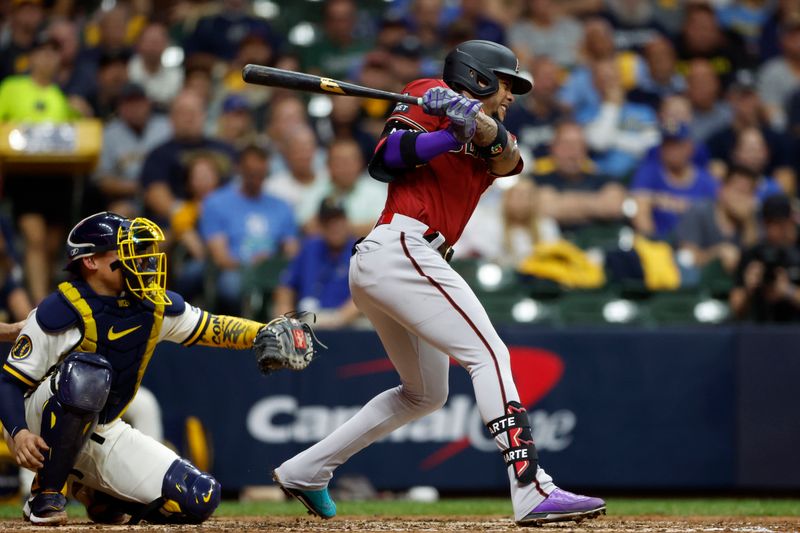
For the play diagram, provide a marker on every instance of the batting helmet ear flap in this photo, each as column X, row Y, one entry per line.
column 463, row 73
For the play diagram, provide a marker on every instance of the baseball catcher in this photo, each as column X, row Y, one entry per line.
column 78, row 362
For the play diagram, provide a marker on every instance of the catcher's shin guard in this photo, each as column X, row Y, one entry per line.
column 521, row 451
column 188, row 497
column 70, row 415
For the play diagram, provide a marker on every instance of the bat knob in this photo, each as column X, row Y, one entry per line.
column 246, row 71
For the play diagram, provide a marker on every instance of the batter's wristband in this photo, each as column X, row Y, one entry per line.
column 498, row 144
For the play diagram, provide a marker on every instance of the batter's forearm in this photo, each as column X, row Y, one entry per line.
column 222, row 331
column 486, row 130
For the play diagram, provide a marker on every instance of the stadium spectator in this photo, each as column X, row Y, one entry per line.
column 779, row 77
column 748, row 112
column 702, row 37
column 710, row 114
column 344, row 122
column 621, row 132
column 285, row 115
column 746, row 18
column 162, row 83
column 718, row 230
column 235, row 125
column 360, row 196
column 665, row 191
column 255, row 49
column 661, row 78
column 112, row 75
column 217, row 36
column 341, row 43
column 316, row 280
column 164, row 171
column 15, row 303
column 203, row 178
column 767, row 281
column 752, row 152
column 112, row 35
column 428, row 21
column 481, row 26
column 533, row 117
column 41, row 218
column 24, row 22
column 546, row 31
column 243, row 226
column 507, row 233
column 298, row 148
column 579, row 93
column 635, row 23
column 77, row 79
column 127, row 139
column 572, row 192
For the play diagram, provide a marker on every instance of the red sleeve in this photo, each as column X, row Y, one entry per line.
column 413, row 115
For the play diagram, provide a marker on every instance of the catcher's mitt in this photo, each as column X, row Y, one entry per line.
column 285, row 342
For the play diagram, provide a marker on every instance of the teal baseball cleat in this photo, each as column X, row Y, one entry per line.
column 318, row 502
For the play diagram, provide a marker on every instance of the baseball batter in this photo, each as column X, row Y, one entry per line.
column 76, row 366
column 438, row 159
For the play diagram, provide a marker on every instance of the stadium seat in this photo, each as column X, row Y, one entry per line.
column 602, row 236
column 258, row 284
column 667, row 308
column 590, row 307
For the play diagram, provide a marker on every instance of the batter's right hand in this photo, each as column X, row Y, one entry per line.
column 28, row 448
column 436, row 100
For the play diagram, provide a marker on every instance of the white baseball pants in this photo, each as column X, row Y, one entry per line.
column 422, row 311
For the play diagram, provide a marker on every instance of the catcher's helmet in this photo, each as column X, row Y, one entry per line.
column 136, row 243
column 473, row 66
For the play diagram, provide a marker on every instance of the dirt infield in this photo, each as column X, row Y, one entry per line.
column 636, row 524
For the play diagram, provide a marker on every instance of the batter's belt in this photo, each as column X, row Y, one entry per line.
column 434, row 238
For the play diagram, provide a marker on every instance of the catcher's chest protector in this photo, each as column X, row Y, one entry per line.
column 123, row 330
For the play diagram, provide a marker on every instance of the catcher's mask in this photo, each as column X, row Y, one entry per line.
column 143, row 265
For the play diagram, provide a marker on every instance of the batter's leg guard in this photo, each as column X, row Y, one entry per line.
column 188, row 496
column 70, row 415
column 521, row 451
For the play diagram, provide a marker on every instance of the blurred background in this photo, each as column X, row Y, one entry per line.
column 644, row 268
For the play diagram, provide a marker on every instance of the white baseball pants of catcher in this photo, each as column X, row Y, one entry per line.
column 120, row 460
column 422, row 310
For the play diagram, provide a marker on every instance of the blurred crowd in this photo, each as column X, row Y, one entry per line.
column 661, row 141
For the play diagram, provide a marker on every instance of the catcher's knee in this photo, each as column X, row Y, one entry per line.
column 84, row 382
column 190, row 493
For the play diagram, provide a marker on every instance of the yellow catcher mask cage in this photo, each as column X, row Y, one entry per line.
column 144, row 266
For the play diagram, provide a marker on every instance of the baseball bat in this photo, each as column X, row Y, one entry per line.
column 300, row 81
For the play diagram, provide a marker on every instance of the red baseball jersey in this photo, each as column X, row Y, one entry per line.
column 444, row 192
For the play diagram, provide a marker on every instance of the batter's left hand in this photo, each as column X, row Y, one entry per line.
column 463, row 114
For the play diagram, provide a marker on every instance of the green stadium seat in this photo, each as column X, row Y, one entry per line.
column 668, row 308
column 589, row 308
column 602, row 236
column 715, row 280
column 258, row 284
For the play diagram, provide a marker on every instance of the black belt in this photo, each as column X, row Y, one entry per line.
column 444, row 249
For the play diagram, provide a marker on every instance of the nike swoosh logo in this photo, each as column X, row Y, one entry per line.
column 207, row 497
column 114, row 335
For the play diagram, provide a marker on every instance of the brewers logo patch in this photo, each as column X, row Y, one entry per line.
column 22, row 348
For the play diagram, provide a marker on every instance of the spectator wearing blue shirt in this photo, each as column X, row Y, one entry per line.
column 163, row 174
column 621, row 132
column 243, row 226
column 752, row 152
column 664, row 192
column 317, row 278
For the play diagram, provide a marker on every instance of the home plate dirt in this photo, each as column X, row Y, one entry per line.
column 606, row 524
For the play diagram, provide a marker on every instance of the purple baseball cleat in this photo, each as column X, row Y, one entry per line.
column 561, row 506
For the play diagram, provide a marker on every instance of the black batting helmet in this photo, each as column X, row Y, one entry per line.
column 474, row 65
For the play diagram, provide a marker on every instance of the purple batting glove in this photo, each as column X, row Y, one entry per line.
column 463, row 115
column 436, row 100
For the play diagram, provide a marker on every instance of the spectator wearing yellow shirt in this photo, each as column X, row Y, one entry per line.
column 36, row 98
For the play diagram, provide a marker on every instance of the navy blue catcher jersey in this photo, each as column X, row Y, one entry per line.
column 123, row 329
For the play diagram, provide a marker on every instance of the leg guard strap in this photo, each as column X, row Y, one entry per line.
column 521, row 451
